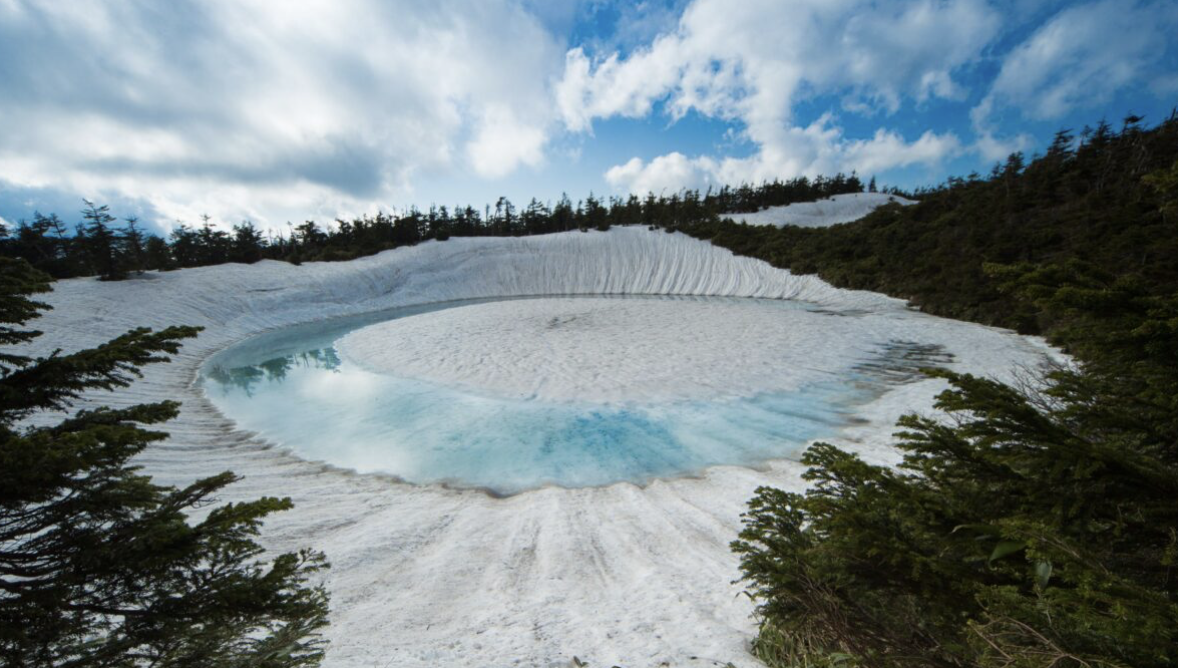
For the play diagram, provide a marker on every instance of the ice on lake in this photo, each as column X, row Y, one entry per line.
column 513, row 395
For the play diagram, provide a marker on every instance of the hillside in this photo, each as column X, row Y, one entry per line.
column 1089, row 198
column 1029, row 524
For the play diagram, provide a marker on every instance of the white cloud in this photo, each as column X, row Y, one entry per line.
column 502, row 143
column 888, row 150
column 818, row 148
column 724, row 61
column 664, row 174
column 994, row 149
column 269, row 109
column 1080, row 58
column 614, row 87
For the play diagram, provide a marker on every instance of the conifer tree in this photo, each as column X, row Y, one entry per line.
column 99, row 566
column 562, row 214
column 213, row 245
column 157, row 255
column 248, row 243
column 185, row 246
column 1037, row 527
column 133, row 249
column 1165, row 182
column 102, row 242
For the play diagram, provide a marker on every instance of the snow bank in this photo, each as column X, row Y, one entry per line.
column 431, row 576
column 823, row 213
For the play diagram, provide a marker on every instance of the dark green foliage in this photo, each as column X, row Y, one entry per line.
column 1165, row 182
column 248, row 244
column 44, row 243
column 1124, row 327
column 133, row 242
column 1033, row 528
column 185, row 247
column 1030, row 526
column 101, row 243
column 98, row 565
column 18, row 280
column 157, row 256
column 97, row 247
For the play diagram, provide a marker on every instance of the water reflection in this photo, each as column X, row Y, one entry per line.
column 275, row 370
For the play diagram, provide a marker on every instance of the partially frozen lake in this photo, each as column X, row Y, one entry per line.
column 510, row 395
column 428, row 575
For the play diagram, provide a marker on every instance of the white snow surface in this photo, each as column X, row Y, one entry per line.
column 425, row 575
column 617, row 351
column 601, row 350
column 823, row 213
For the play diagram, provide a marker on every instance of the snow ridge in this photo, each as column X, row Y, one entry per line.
column 238, row 300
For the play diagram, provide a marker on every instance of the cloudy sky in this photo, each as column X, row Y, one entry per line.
column 277, row 110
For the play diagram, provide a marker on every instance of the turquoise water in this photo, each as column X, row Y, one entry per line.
column 292, row 388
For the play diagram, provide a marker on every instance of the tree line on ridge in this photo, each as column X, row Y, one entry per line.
column 101, row 245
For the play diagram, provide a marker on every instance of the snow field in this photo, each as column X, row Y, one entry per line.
column 823, row 213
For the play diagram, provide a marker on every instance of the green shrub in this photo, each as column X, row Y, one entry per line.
column 99, row 566
column 1033, row 526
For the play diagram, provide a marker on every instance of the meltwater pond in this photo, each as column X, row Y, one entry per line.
column 510, row 395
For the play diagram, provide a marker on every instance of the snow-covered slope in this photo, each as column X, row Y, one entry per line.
column 431, row 576
column 823, row 213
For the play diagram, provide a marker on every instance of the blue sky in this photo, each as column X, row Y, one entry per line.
column 278, row 111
